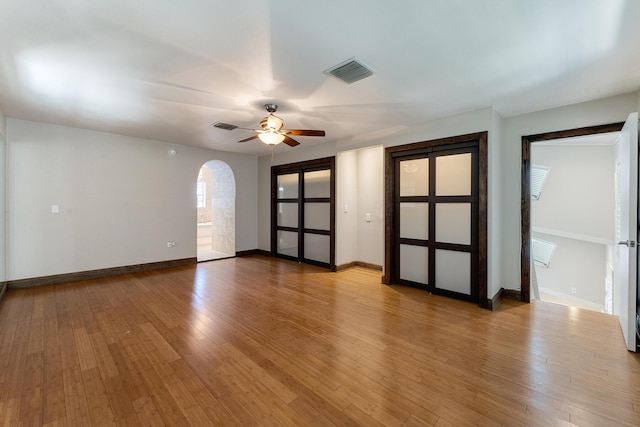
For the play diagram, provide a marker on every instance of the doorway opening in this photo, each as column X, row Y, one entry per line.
column 573, row 205
column 527, row 180
column 216, row 211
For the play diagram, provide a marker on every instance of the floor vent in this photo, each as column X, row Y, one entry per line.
column 225, row 126
column 350, row 71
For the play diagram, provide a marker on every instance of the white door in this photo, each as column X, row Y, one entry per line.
column 625, row 253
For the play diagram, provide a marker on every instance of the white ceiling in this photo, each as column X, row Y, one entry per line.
column 166, row 70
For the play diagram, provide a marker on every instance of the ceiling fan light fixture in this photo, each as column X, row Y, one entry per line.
column 271, row 138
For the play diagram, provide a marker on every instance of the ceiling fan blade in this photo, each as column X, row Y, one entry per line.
column 290, row 141
column 249, row 139
column 303, row 132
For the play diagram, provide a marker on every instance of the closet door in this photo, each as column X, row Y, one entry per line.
column 412, row 217
column 317, row 216
column 287, row 214
column 303, row 212
column 455, row 204
column 436, row 217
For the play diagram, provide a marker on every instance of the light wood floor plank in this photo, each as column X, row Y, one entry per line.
column 257, row 341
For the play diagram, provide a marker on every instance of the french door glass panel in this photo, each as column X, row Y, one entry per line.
column 288, row 186
column 414, row 263
column 453, row 271
column 288, row 215
column 453, row 175
column 414, row 177
column 317, row 247
column 435, row 227
column 453, row 223
column 317, row 184
column 414, row 220
column 288, row 243
column 317, row 216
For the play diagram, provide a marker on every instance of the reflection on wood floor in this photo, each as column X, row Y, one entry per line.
column 261, row 341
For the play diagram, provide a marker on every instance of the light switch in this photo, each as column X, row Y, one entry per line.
column 55, row 209
column 346, row 209
column 367, row 217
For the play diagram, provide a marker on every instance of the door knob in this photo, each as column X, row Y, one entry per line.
column 628, row 243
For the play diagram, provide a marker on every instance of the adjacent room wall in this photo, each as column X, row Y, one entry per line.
column 562, row 276
column 120, row 199
column 575, row 211
column 578, row 197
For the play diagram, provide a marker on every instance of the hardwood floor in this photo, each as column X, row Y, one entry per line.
column 259, row 341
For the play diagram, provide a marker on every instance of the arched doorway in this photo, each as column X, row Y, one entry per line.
column 216, row 211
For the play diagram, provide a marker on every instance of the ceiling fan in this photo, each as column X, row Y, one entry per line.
column 272, row 132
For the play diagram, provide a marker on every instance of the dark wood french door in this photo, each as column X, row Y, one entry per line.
column 303, row 212
column 436, row 233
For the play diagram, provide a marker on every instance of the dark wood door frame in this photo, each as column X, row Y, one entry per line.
column 327, row 163
column 525, row 199
column 389, row 229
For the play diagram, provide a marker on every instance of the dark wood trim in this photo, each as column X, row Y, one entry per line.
column 459, row 139
column 483, row 203
column 97, row 274
column 3, row 290
column 253, row 252
column 264, row 253
column 463, row 142
column 511, row 294
column 308, row 166
column 389, row 208
column 362, row 264
column 525, row 195
column 216, row 259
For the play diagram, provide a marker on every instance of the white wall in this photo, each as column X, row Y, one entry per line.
column 347, row 195
column 562, row 275
column 578, row 197
column 602, row 111
column 371, row 201
column 360, row 186
column 120, row 199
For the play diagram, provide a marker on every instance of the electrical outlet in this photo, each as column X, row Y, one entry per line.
column 171, row 244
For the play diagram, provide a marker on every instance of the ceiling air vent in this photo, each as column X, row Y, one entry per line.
column 225, row 126
column 350, row 71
